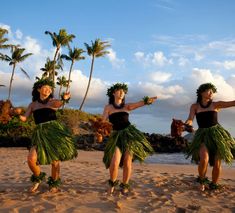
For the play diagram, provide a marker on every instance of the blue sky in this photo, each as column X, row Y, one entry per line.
column 159, row 47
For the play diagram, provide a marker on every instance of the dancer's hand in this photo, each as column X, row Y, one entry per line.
column 152, row 99
column 66, row 95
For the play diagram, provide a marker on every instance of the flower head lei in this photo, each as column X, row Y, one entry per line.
column 115, row 87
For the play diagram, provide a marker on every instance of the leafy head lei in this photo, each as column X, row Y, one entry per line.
column 205, row 87
column 43, row 81
column 38, row 84
column 115, row 87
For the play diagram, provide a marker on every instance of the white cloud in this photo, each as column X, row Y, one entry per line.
column 182, row 61
column 31, row 45
column 229, row 65
column 198, row 56
column 139, row 55
column 159, row 58
column 19, row 34
column 160, row 77
column 163, row 92
column 152, row 59
column 116, row 62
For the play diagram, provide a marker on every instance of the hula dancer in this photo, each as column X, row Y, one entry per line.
column 51, row 141
column 211, row 143
column 126, row 143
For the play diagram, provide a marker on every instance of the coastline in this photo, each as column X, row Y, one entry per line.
column 155, row 187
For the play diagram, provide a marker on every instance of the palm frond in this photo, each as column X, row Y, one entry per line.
column 25, row 72
column 63, row 56
column 5, row 58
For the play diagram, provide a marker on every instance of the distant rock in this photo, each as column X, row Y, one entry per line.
column 167, row 144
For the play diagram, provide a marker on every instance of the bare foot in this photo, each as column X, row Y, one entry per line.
column 35, row 187
column 110, row 190
column 54, row 189
column 125, row 191
column 202, row 187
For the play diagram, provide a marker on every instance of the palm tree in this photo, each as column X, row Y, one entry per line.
column 16, row 57
column 59, row 40
column 3, row 40
column 97, row 49
column 62, row 82
column 74, row 55
column 48, row 69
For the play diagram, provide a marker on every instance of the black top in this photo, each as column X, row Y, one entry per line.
column 44, row 115
column 120, row 120
column 206, row 119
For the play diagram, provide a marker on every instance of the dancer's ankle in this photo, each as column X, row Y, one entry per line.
column 53, row 184
column 36, row 181
column 125, row 188
column 112, row 185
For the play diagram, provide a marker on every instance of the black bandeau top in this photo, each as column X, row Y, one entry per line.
column 206, row 119
column 43, row 115
column 120, row 120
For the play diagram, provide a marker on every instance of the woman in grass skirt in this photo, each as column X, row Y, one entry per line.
column 126, row 143
column 51, row 141
column 211, row 143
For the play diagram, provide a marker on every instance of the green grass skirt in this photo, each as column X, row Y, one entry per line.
column 129, row 139
column 218, row 141
column 53, row 141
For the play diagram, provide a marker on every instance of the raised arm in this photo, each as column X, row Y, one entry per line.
column 146, row 101
column 56, row 103
column 224, row 104
column 191, row 115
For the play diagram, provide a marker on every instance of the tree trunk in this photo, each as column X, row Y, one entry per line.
column 88, row 85
column 70, row 71
column 56, row 52
column 10, row 85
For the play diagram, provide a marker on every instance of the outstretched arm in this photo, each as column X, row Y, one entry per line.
column 223, row 104
column 147, row 101
column 56, row 103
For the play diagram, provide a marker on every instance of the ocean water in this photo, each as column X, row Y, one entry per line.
column 174, row 158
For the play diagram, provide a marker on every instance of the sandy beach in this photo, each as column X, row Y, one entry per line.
column 155, row 187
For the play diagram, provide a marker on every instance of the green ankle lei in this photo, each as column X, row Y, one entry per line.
column 53, row 183
column 39, row 178
column 203, row 180
column 125, row 186
column 113, row 183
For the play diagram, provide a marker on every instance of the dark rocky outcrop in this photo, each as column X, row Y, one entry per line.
column 163, row 144
column 160, row 143
column 6, row 141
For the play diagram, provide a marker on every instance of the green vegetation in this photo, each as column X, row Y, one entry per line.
column 69, row 117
